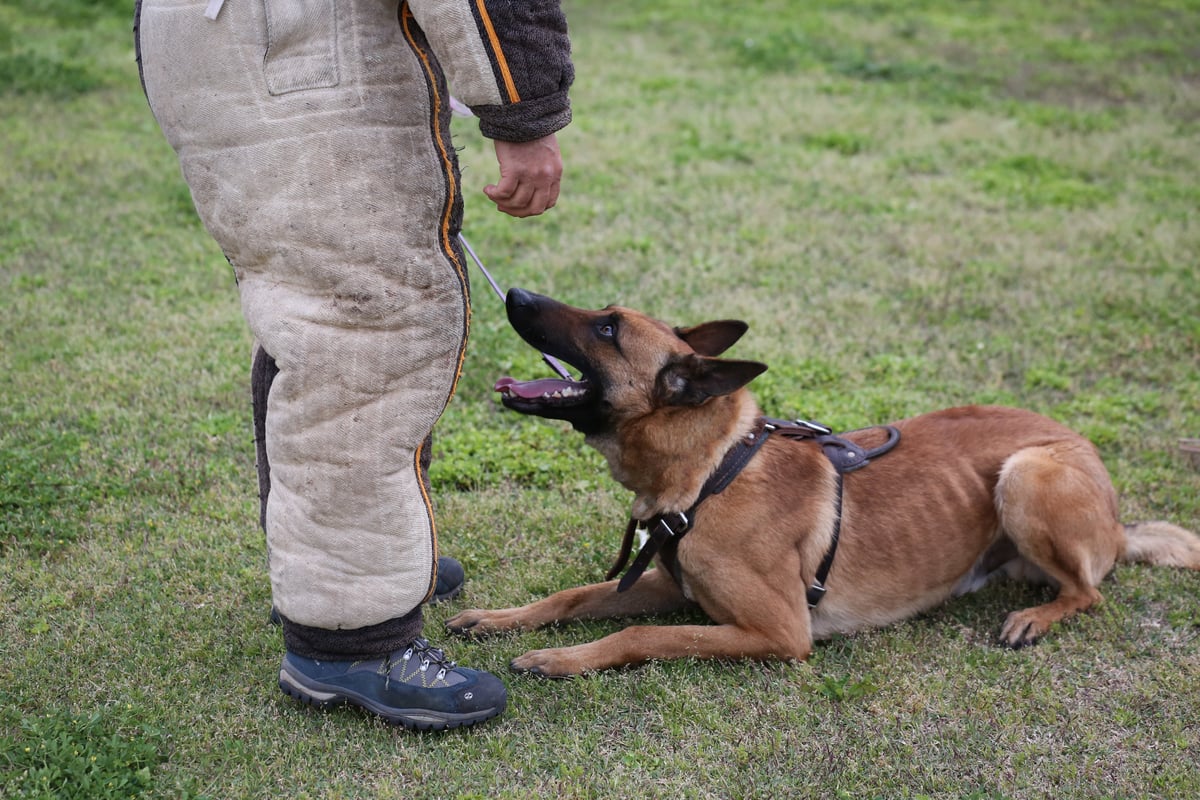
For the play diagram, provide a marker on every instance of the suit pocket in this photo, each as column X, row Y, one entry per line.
column 301, row 45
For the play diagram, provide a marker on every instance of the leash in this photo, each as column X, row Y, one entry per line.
column 665, row 530
column 554, row 363
column 461, row 109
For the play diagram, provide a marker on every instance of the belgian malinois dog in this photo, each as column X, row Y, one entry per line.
column 964, row 493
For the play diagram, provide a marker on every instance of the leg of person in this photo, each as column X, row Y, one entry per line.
column 315, row 143
column 450, row 574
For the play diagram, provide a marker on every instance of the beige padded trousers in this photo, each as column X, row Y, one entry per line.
column 313, row 135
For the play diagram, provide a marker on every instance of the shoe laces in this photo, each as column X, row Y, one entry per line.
column 429, row 656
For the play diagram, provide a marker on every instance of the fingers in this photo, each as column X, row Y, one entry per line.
column 524, row 199
column 530, row 176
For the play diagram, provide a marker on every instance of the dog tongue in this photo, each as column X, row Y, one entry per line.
column 530, row 390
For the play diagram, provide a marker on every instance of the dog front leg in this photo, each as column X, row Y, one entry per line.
column 640, row 643
column 654, row 593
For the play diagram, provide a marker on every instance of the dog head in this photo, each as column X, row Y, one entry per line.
column 631, row 365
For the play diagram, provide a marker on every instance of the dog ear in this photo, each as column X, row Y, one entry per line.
column 690, row 379
column 713, row 338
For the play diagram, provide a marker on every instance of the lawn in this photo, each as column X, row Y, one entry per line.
column 913, row 205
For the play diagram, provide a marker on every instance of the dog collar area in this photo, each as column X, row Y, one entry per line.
column 664, row 531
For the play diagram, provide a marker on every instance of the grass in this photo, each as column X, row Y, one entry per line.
column 913, row 204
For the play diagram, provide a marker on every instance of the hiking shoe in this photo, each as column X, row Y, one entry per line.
column 449, row 584
column 418, row 687
column 450, row 577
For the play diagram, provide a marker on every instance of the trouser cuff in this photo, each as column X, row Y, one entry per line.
column 355, row 644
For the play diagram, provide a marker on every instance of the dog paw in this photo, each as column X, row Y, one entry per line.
column 478, row 622
column 1022, row 628
column 555, row 663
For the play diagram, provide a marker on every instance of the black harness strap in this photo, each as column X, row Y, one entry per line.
column 845, row 457
column 626, row 549
column 659, row 533
column 665, row 530
column 816, row 591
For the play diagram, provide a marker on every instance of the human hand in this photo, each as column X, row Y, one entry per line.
column 530, row 173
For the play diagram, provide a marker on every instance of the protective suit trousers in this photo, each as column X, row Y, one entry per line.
column 314, row 137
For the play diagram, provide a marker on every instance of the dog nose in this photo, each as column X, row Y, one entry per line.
column 518, row 298
column 521, row 307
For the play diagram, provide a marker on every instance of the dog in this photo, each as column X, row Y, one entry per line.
column 962, row 494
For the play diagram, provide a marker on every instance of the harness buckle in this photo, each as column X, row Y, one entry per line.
column 681, row 521
column 815, row 427
column 815, row 593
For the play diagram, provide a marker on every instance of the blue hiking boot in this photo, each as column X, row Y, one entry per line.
column 417, row 687
column 450, row 577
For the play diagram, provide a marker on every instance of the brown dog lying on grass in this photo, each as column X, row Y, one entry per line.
column 963, row 494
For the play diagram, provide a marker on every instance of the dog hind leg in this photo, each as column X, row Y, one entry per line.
column 1058, row 506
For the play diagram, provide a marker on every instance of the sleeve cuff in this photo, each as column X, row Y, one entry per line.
column 526, row 120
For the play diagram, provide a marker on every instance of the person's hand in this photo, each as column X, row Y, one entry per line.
column 529, row 176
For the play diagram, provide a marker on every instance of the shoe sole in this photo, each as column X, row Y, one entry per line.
column 321, row 696
column 450, row 595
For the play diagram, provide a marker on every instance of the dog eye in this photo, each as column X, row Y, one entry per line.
column 606, row 330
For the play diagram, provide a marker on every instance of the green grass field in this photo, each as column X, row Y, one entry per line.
column 913, row 204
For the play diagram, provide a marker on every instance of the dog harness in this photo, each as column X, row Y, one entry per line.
column 664, row 531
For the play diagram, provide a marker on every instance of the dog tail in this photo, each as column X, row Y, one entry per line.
column 1163, row 544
